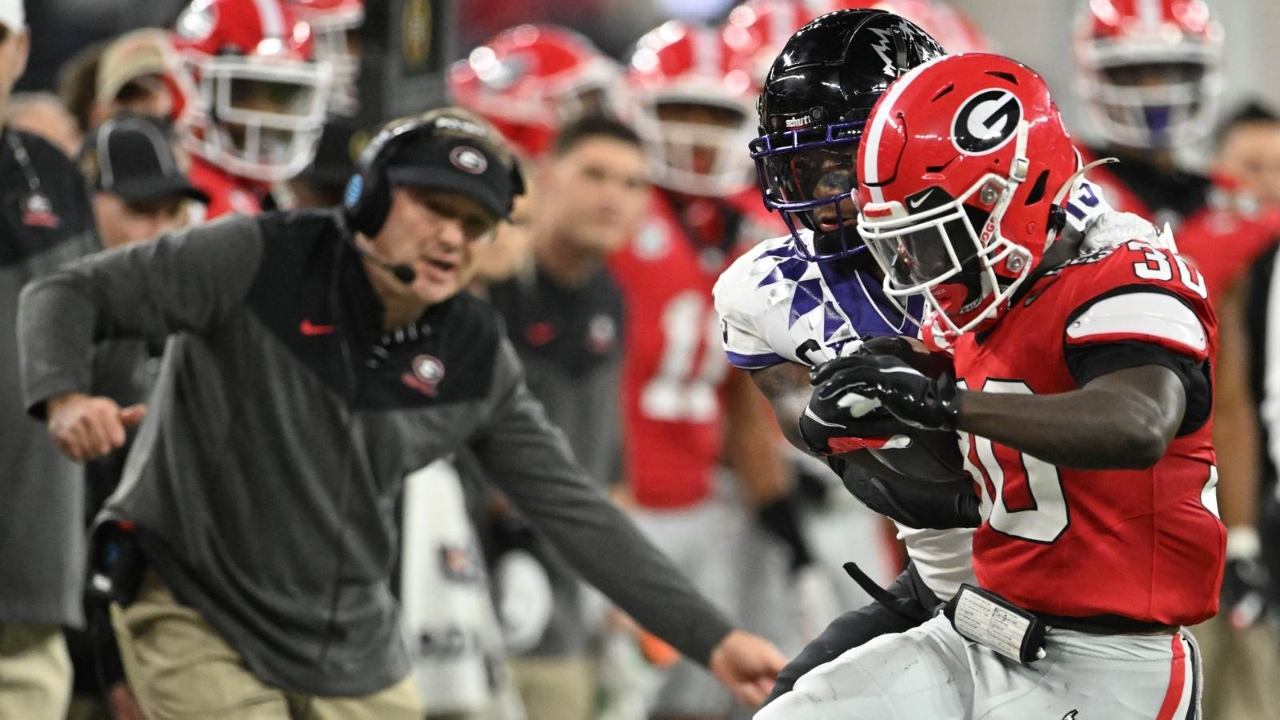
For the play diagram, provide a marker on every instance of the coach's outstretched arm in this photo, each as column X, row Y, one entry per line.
column 530, row 460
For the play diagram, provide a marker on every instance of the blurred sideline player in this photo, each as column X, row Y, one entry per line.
column 1247, row 146
column 1082, row 397
column 564, row 314
column 250, row 101
column 1150, row 76
column 130, row 76
column 530, row 81
column 686, row 415
column 333, row 27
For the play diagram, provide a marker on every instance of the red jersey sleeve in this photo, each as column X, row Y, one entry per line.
column 1145, row 294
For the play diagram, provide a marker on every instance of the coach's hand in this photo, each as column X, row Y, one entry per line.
column 748, row 665
column 881, row 380
column 85, row 428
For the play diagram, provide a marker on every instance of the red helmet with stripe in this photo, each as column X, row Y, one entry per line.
column 962, row 171
column 756, row 31
column 531, row 79
column 333, row 24
column 1149, row 70
column 253, row 98
column 693, row 103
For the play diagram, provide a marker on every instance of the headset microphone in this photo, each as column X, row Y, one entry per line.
column 402, row 272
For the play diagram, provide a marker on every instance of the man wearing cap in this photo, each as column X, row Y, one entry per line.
column 141, row 190
column 310, row 369
column 130, row 76
column 45, row 220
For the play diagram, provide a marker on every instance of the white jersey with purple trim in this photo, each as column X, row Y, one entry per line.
column 777, row 307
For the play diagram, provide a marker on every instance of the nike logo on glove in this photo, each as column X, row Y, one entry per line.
column 310, row 329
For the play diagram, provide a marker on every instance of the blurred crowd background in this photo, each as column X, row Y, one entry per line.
column 1033, row 32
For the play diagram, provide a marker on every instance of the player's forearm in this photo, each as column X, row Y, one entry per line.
column 751, row 444
column 787, row 388
column 1122, row 420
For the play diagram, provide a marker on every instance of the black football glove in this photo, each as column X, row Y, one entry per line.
column 908, row 394
column 829, row 428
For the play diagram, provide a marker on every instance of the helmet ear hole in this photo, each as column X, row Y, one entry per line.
column 1038, row 189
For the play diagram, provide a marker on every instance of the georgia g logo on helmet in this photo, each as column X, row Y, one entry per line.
column 986, row 121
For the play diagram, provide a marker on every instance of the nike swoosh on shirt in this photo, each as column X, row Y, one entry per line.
column 306, row 327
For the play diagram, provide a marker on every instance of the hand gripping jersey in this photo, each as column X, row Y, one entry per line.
column 673, row 370
column 1141, row 544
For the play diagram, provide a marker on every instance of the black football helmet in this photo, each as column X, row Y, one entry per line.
column 816, row 99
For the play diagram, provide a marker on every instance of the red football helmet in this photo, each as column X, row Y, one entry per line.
column 757, row 29
column 693, row 104
column 962, row 171
column 1148, row 70
column 333, row 24
column 530, row 79
column 944, row 23
column 253, row 99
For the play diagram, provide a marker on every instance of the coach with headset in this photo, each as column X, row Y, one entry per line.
column 318, row 357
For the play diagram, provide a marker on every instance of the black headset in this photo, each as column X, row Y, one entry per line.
column 367, row 199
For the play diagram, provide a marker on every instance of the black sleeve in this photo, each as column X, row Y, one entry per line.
column 1090, row 362
column 149, row 290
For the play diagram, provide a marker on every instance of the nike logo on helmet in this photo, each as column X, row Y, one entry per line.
column 310, row 329
column 916, row 202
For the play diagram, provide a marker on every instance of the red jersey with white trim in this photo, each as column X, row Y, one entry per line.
column 228, row 194
column 1141, row 544
column 673, row 367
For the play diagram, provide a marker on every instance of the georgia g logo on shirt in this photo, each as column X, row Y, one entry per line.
column 427, row 372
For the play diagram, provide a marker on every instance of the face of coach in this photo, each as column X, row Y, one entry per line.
column 450, row 189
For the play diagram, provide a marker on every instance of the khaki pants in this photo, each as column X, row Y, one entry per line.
column 1241, row 670
column 555, row 688
column 35, row 672
column 181, row 669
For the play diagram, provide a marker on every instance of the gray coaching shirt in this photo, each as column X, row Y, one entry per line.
column 285, row 418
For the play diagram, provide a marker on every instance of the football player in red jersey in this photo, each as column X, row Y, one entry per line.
column 1149, row 72
column 251, row 100
column 1082, row 399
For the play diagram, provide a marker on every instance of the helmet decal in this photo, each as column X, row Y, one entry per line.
column 986, row 121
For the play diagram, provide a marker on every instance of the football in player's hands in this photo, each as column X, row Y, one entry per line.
column 927, row 455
